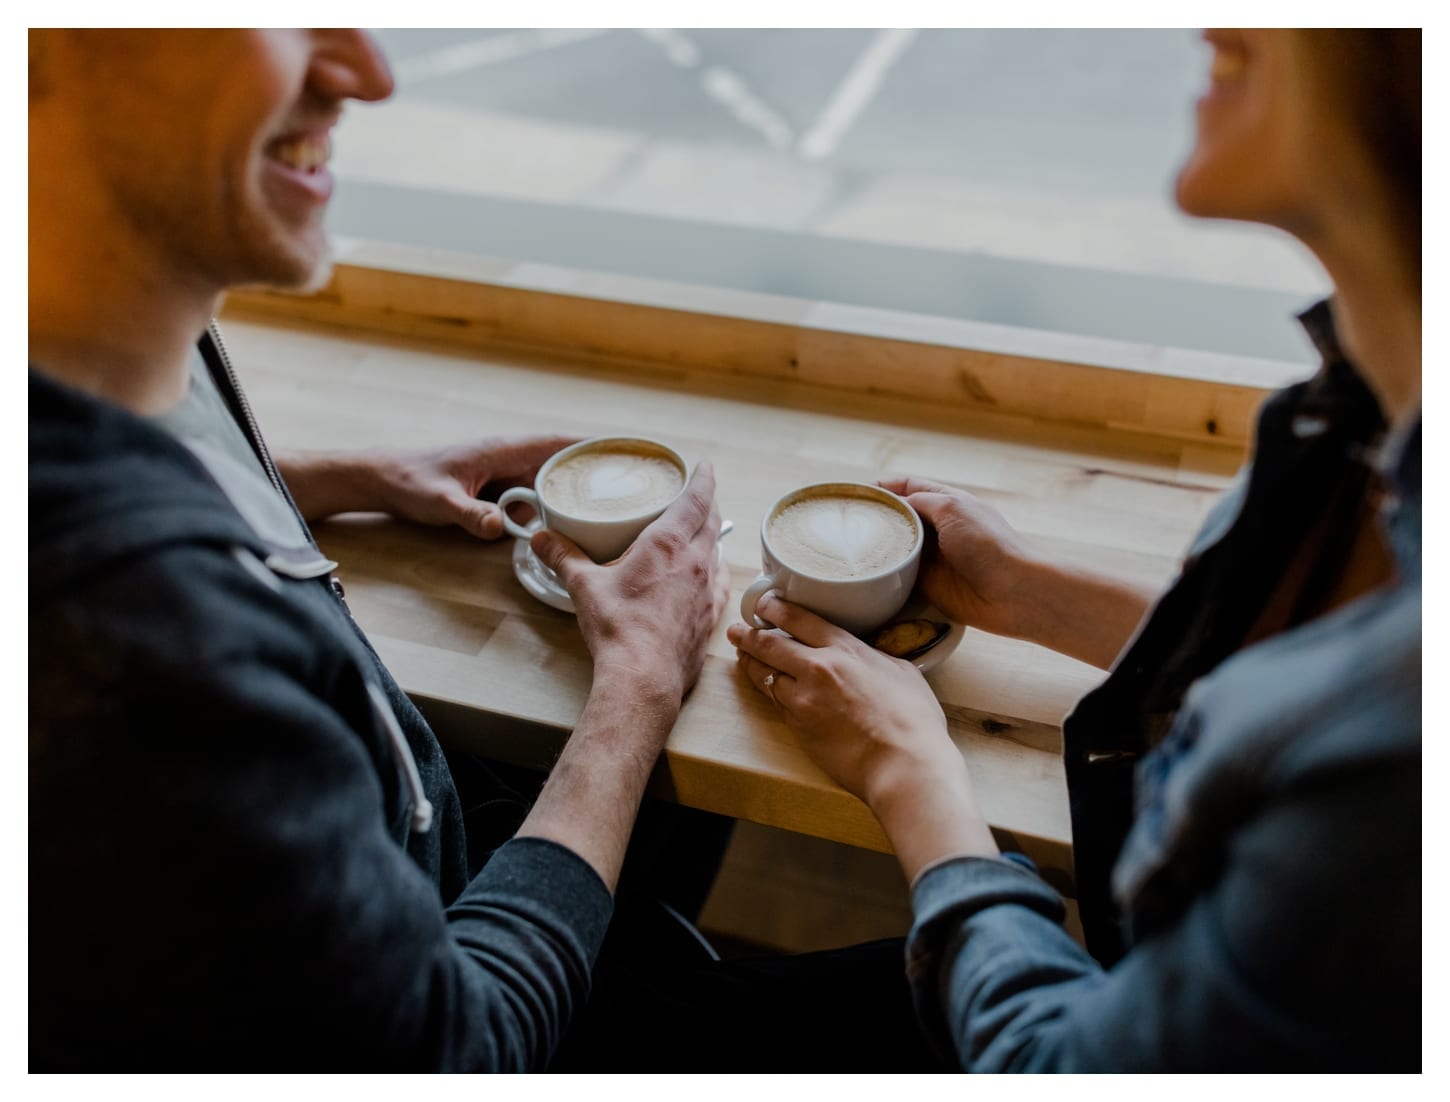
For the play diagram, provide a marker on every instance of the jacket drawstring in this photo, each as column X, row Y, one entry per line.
column 422, row 809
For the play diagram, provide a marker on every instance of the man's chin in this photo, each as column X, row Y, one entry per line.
column 295, row 274
column 318, row 277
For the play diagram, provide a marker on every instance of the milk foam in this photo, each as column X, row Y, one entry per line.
column 601, row 484
column 841, row 536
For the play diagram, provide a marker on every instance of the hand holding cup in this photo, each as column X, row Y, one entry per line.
column 847, row 551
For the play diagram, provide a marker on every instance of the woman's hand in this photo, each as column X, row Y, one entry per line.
column 428, row 485
column 873, row 725
column 859, row 713
column 977, row 570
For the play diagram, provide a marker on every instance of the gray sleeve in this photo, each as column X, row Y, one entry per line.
column 214, row 882
column 1304, row 954
column 357, row 940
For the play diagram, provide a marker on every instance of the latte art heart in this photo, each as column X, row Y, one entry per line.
column 839, row 526
column 842, row 536
column 603, row 483
column 617, row 478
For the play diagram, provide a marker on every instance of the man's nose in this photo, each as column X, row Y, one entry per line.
column 348, row 64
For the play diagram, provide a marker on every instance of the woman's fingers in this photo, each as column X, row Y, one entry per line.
column 907, row 485
column 805, row 626
column 933, row 506
column 757, row 671
column 777, row 651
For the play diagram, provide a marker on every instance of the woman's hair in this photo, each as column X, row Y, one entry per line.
column 1375, row 76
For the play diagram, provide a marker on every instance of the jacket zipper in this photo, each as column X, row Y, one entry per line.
column 254, row 437
column 254, row 434
column 422, row 813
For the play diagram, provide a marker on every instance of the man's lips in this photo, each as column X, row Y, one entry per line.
column 297, row 167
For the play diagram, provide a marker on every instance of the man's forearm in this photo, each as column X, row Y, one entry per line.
column 327, row 483
column 592, row 796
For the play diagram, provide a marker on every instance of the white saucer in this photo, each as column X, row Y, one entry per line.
column 542, row 583
column 538, row 579
column 918, row 608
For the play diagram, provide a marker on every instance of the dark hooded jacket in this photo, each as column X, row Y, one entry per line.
column 246, row 849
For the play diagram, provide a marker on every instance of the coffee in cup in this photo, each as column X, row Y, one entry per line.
column 848, row 551
column 612, row 480
column 841, row 535
column 601, row 493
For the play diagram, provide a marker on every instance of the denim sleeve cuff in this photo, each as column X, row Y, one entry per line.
column 1021, row 860
column 943, row 900
column 947, row 894
column 966, row 885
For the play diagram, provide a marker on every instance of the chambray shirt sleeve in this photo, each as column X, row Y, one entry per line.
column 989, row 962
column 1281, row 964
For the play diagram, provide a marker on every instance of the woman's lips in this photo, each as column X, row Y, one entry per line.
column 1227, row 70
column 1229, row 64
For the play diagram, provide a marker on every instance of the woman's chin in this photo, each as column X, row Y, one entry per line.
column 1205, row 189
column 1191, row 194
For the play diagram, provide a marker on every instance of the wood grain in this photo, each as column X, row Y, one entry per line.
column 499, row 673
column 962, row 365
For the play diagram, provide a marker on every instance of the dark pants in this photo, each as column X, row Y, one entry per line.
column 674, row 852
column 660, row 1002
column 842, row 1010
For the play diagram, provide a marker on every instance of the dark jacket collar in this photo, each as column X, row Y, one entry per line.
column 1339, row 391
column 1401, row 459
column 1399, row 450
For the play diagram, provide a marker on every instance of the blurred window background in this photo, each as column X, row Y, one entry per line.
column 1021, row 177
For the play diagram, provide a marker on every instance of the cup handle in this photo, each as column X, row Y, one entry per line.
column 757, row 589
column 513, row 527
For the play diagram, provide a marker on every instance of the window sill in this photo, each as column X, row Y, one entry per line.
column 994, row 369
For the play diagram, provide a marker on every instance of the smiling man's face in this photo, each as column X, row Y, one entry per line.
column 213, row 144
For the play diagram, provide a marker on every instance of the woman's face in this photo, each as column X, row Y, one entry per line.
column 1267, row 138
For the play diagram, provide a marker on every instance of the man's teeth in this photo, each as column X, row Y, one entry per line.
column 303, row 154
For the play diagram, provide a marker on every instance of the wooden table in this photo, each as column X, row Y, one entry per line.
column 499, row 673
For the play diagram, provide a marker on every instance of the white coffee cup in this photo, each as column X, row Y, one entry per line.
column 860, row 601
column 591, row 521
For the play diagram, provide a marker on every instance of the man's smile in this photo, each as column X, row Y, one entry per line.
column 303, row 152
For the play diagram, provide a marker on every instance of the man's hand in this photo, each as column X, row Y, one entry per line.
column 428, row 485
column 647, row 616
